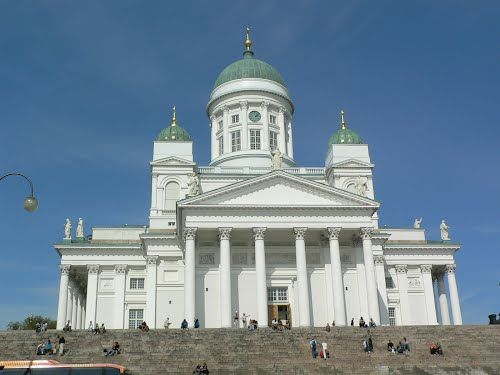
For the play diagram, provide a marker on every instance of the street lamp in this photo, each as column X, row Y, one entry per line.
column 30, row 203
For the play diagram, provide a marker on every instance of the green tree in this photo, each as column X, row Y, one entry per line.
column 29, row 323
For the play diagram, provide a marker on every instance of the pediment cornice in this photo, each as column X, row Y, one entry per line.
column 172, row 161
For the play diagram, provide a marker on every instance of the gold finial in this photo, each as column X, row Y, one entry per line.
column 343, row 125
column 248, row 42
column 174, row 120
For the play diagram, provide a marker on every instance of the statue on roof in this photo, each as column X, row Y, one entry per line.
column 444, row 228
column 67, row 229
column 193, row 185
column 276, row 159
column 79, row 228
column 361, row 185
column 417, row 222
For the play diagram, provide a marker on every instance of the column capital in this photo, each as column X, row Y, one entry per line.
column 450, row 268
column 93, row 268
column 225, row 233
column 300, row 233
column 244, row 104
column 120, row 268
column 259, row 233
column 65, row 268
column 366, row 233
column 213, row 117
column 401, row 268
column 151, row 260
column 225, row 109
column 426, row 268
column 264, row 104
column 333, row 233
column 282, row 109
column 378, row 259
column 189, row 233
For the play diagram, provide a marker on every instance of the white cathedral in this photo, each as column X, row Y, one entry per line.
column 254, row 233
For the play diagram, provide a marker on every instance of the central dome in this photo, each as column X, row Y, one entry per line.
column 249, row 67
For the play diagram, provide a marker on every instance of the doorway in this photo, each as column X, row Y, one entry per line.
column 281, row 312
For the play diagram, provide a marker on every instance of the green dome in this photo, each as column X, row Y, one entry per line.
column 344, row 136
column 173, row 133
column 249, row 67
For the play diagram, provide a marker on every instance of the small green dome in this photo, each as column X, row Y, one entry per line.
column 174, row 132
column 249, row 67
column 344, row 136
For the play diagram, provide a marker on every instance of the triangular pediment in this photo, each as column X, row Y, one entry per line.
column 279, row 189
column 352, row 163
column 172, row 160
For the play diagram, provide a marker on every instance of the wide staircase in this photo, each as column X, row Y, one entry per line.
column 467, row 350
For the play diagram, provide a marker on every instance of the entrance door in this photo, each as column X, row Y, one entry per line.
column 279, row 312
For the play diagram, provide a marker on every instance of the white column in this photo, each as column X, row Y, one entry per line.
column 282, row 136
column 69, row 308
column 120, row 277
column 443, row 301
column 91, row 304
column 290, row 140
column 302, row 278
column 150, row 315
column 213, row 132
column 63, row 296
column 429, row 294
column 227, row 140
column 260, row 273
column 403, row 293
column 155, row 205
column 83, row 312
column 371, row 282
column 79, row 311
column 225, row 277
column 337, row 278
column 265, row 125
column 454, row 300
column 382, row 290
column 74, row 310
column 189, row 276
column 245, row 142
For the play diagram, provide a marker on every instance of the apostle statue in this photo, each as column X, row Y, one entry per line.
column 417, row 222
column 193, row 185
column 67, row 229
column 276, row 159
column 444, row 228
column 361, row 185
column 79, row 228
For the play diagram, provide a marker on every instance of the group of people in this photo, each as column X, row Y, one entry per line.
column 402, row 348
column 277, row 325
column 50, row 348
column 185, row 325
column 363, row 324
column 95, row 329
column 201, row 369
column 143, row 327
column 323, row 353
column 41, row 327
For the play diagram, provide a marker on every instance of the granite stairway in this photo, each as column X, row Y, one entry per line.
column 467, row 350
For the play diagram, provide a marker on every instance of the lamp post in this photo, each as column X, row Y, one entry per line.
column 30, row 203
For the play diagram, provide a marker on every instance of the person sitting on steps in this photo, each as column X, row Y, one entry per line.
column 144, row 327
column 184, row 324
column 436, row 349
column 327, row 328
column 390, row 347
column 67, row 327
column 102, row 329
column 196, row 323
column 96, row 329
column 362, row 322
column 274, row 324
column 115, row 350
column 352, row 322
column 372, row 323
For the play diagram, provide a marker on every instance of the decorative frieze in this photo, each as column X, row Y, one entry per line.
column 258, row 233
column 239, row 258
column 333, row 233
column 414, row 283
column 225, row 233
column 206, row 259
column 65, row 268
column 300, row 233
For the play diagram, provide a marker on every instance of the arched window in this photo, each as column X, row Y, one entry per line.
column 172, row 195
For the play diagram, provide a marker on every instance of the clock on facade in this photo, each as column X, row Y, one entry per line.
column 254, row 116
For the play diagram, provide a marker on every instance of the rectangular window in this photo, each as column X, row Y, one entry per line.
column 137, row 283
column 236, row 141
column 254, row 139
column 392, row 316
column 389, row 282
column 272, row 119
column 220, row 125
column 221, row 145
column 273, row 140
column 235, row 119
column 278, row 294
column 135, row 318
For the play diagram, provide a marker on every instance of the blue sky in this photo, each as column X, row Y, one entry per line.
column 86, row 86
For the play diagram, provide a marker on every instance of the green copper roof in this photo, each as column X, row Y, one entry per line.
column 344, row 136
column 249, row 67
column 173, row 133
